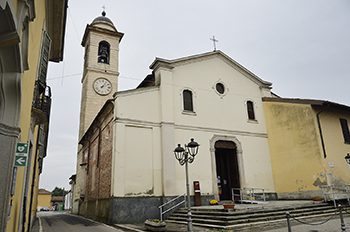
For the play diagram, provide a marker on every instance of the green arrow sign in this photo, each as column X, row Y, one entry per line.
column 22, row 148
column 20, row 161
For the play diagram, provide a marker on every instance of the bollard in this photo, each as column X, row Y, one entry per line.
column 288, row 222
column 342, row 224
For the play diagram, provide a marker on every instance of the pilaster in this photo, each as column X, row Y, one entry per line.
column 165, row 76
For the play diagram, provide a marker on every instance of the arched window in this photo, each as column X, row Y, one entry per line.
column 250, row 110
column 103, row 52
column 187, row 98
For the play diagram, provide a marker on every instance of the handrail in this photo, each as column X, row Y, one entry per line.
column 250, row 191
column 329, row 192
column 162, row 212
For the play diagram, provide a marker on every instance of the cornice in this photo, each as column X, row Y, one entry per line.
column 9, row 131
column 217, row 131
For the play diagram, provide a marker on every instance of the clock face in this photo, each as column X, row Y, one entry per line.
column 102, row 86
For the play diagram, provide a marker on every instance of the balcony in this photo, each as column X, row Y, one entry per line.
column 41, row 106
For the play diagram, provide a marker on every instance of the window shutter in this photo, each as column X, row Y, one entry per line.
column 345, row 129
column 44, row 58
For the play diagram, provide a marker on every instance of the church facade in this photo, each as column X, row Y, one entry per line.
column 126, row 166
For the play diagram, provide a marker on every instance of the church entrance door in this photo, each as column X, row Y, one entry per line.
column 227, row 171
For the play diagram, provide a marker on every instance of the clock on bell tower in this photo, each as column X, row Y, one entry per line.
column 101, row 64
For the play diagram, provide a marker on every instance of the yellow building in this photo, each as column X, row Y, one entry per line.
column 32, row 33
column 44, row 199
column 308, row 142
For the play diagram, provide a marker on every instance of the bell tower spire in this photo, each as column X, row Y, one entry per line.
column 101, row 68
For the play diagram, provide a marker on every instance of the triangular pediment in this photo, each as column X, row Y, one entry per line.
column 165, row 63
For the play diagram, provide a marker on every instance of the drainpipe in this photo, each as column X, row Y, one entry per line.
column 321, row 134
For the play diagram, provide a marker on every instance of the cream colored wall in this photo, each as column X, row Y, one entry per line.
column 91, row 102
column 153, row 119
column 217, row 115
column 140, row 104
column 295, row 149
column 254, row 161
column 137, row 160
column 336, row 149
column 94, row 39
column 44, row 200
column 226, row 112
column 27, row 132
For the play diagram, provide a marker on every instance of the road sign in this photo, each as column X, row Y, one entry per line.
column 20, row 161
column 22, row 149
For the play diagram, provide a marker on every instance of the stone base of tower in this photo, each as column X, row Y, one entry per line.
column 121, row 210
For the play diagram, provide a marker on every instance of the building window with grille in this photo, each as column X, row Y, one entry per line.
column 103, row 52
column 250, row 110
column 345, row 128
column 188, row 100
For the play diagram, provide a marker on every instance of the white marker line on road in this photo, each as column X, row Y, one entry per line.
column 40, row 225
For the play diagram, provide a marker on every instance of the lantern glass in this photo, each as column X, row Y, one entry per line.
column 179, row 152
column 192, row 147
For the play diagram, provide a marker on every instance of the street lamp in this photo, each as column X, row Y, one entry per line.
column 184, row 156
column 347, row 158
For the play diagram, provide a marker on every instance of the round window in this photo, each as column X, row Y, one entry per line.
column 220, row 88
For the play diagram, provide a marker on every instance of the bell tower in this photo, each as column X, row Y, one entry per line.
column 101, row 68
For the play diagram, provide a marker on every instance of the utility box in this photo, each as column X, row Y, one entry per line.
column 197, row 193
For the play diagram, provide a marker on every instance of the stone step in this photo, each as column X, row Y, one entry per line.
column 264, row 210
column 253, row 215
column 252, row 212
column 253, row 226
column 235, row 219
column 244, row 220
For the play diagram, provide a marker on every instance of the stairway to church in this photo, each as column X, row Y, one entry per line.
column 247, row 220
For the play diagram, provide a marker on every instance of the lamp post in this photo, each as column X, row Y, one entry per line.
column 184, row 156
column 347, row 158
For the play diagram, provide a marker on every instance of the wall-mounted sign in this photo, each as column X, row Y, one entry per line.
column 20, row 161
column 22, row 150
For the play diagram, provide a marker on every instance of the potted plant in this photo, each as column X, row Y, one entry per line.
column 213, row 202
column 155, row 225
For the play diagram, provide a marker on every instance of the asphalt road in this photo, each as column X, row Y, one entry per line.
column 63, row 222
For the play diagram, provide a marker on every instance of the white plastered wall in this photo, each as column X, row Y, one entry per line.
column 159, row 111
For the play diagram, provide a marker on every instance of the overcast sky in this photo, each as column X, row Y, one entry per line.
column 302, row 47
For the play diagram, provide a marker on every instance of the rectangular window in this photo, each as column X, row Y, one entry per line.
column 345, row 129
column 250, row 109
column 188, row 101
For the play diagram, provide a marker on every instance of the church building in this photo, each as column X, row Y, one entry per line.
column 126, row 166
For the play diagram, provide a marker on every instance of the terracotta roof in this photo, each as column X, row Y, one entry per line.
column 57, row 199
column 44, row 192
column 148, row 81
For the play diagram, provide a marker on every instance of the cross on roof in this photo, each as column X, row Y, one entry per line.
column 214, row 42
column 104, row 11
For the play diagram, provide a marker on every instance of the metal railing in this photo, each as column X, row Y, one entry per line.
column 161, row 208
column 333, row 193
column 248, row 194
column 42, row 99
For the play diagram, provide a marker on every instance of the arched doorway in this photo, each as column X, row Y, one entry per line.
column 227, row 170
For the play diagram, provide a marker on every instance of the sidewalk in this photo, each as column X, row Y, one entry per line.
column 35, row 227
